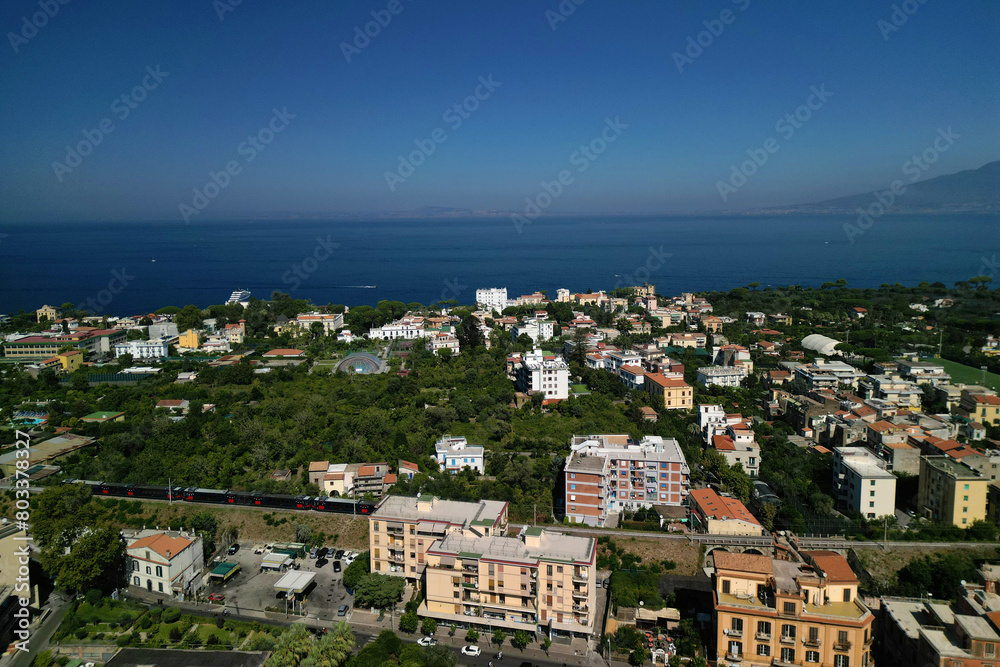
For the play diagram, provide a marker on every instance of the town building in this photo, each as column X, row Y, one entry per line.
column 538, row 331
column 722, row 376
column 738, row 446
column 789, row 612
column 98, row 342
column 492, row 298
column 606, row 474
column 455, row 454
column 863, row 483
column 951, row 492
column 548, row 375
column 189, row 340
column 143, row 349
column 406, row 328
column 443, row 341
column 167, row 562
column 722, row 515
column 670, row 393
column 331, row 322
column 402, row 529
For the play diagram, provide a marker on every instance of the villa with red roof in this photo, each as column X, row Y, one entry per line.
column 168, row 563
column 722, row 515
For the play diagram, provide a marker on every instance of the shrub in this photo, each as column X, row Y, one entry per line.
column 212, row 640
column 472, row 636
column 171, row 615
column 156, row 613
column 124, row 619
column 145, row 622
column 94, row 597
column 175, row 634
column 429, row 626
column 219, row 622
column 408, row 623
column 81, row 634
column 262, row 643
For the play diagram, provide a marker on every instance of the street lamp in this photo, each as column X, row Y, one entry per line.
column 983, row 369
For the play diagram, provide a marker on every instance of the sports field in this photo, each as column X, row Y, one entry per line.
column 968, row 374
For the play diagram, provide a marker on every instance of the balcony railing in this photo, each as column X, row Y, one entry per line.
column 787, row 640
column 735, row 633
column 580, row 578
column 579, row 593
column 842, row 646
column 734, row 656
column 763, row 636
column 812, row 642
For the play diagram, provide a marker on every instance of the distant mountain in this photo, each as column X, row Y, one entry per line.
column 969, row 191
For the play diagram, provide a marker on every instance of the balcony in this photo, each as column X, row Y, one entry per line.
column 787, row 640
column 394, row 530
column 842, row 646
column 471, row 569
column 735, row 657
column 734, row 633
column 580, row 578
column 812, row 643
column 579, row 592
column 763, row 636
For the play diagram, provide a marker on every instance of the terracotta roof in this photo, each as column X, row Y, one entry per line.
column 283, row 352
column 715, row 506
column 882, row 426
column 407, row 464
column 833, row 565
column 988, row 400
column 669, row 383
column 743, row 562
column 170, row 403
column 366, row 471
column 333, row 475
column 163, row 544
column 723, row 443
column 635, row 370
column 389, row 479
column 319, row 466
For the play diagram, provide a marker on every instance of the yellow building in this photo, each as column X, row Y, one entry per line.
column 540, row 581
column 71, row 360
column 402, row 529
column 951, row 492
column 190, row 340
column 982, row 408
column 671, row 393
column 47, row 313
column 779, row 612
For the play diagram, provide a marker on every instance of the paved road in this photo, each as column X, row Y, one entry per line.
column 41, row 634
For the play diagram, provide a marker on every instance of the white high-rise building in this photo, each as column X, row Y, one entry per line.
column 537, row 373
column 494, row 298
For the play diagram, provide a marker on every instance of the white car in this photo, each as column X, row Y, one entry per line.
column 426, row 641
column 471, row 650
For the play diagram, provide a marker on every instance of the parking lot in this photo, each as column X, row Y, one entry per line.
column 251, row 589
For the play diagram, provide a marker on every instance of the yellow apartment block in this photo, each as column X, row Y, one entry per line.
column 779, row 612
column 951, row 492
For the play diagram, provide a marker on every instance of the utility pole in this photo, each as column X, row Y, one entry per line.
column 885, row 533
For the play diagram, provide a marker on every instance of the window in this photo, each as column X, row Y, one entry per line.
column 871, row 504
column 842, row 637
column 375, row 526
column 812, row 656
column 988, row 649
column 725, row 586
column 847, row 598
column 735, row 648
column 871, row 494
column 572, row 487
column 872, row 482
column 790, row 608
column 814, row 634
column 788, row 655
column 161, row 586
column 149, row 570
column 966, row 487
column 159, row 571
column 763, row 649
column 965, row 498
column 737, row 626
column 788, row 632
column 135, row 581
column 548, row 570
column 841, row 661
column 763, row 629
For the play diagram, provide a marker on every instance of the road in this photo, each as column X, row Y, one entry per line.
column 41, row 634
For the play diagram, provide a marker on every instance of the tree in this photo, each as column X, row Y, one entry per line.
column 408, row 623
column 378, row 590
column 332, row 649
column 499, row 636
column 189, row 317
column 639, row 656
column 521, row 639
column 439, row 656
column 302, row 533
column 356, row 571
column 472, row 636
column 292, row 647
column 429, row 626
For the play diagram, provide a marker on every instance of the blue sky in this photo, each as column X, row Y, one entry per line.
column 609, row 59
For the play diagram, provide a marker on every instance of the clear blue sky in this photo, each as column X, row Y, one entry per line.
column 609, row 59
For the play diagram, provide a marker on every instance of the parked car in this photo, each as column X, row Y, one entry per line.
column 234, row 548
column 321, row 552
column 426, row 641
column 312, row 554
column 340, row 554
column 336, row 566
column 320, row 562
column 258, row 548
column 473, row 651
column 216, row 597
column 342, row 610
column 607, row 583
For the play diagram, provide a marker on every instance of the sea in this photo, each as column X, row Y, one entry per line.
column 122, row 268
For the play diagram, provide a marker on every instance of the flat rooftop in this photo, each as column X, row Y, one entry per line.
column 404, row 508
column 553, row 546
column 954, row 468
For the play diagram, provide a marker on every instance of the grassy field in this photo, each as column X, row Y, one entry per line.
column 968, row 374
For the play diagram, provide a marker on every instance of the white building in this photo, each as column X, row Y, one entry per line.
column 493, row 298
column 443, row 341
column 724, row 376
column 407, row 328
column 537, row 330
column 537, row 373
column 168, row 562
column 331, row 322
column 562, row 295
column 863, row 483
column 456, row 454
column 143, row 349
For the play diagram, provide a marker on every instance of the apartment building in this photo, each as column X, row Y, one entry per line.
column 85, row 339
column 893, row 389
column 611, row 473
column 723, row 376
column 784, row 612
column 456, row 454
column 951, row 492
column 540, row 581
column 143, row 349
column 537, row 372
column 167, row 562
column 722, row 515
column 443, row 341
column 402, row 529
column 737, row 446
column 493, row 298
column 348, row 479
column 331, row 322
column 670, row 393
column 826, row 374
column 981, row 408
column 406, row 328
column 538, row 331
column 863, row 483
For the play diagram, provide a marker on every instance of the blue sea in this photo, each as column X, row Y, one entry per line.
column 111, row 266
